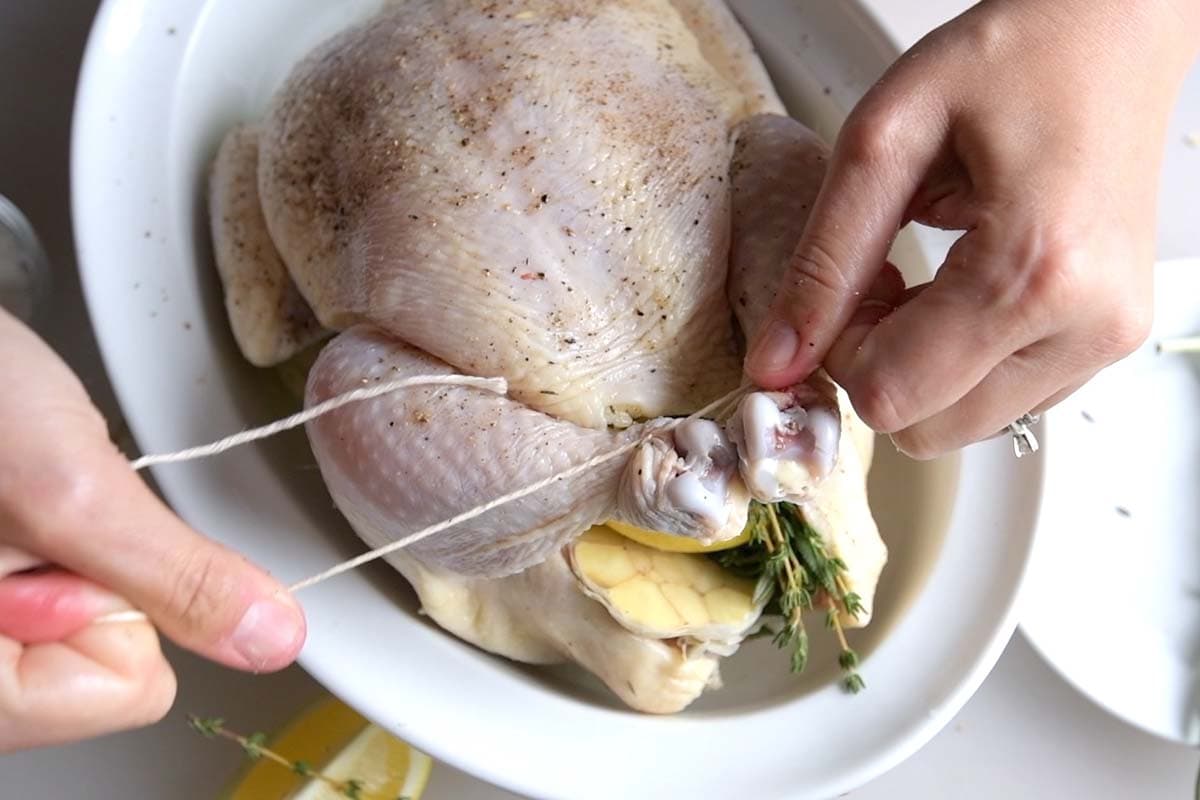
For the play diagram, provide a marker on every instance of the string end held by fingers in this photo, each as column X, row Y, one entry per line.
column 1025, row 442
column 132, row 615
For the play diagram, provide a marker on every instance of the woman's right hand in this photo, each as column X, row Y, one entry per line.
column 82, row 537
column 1035, row 127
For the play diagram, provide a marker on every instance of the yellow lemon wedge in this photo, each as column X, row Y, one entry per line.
column 334, row 740
column 670, row 543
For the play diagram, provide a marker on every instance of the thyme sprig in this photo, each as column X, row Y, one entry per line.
column 254, row 746
column 796, row 574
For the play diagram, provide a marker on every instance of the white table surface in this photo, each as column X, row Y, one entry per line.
column 1026, row 734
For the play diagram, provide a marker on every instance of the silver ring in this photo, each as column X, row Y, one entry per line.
column 1024, row 440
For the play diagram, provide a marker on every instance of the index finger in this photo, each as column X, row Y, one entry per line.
column 878, row 162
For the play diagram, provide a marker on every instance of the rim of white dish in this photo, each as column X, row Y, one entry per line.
column 125, row 68
column 1153, row 679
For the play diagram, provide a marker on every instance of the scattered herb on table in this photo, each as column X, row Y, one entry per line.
column 255, row 748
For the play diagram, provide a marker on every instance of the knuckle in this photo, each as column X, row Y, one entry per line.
column 52, row 503
column 156, row 697
column 871, row 137
column 1059, row 278
column 874, row 399
column 983, row 35
column 150, row 684
column 994, row 288
column 1126, row 330
column 202, row 589
column 815, row 265
column 1063, row 281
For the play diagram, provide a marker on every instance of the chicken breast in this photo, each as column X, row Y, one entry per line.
column 536, row 190
column 591, row 200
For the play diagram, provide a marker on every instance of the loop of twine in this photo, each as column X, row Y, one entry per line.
column 498, row 385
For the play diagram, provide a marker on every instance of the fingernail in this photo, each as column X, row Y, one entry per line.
column 776, row 347
column 268, row 635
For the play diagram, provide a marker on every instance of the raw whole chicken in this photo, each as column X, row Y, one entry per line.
column 595, row 201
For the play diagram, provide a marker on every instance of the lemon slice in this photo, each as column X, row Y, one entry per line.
column 387, row 767
column 671, row 543
column 334, row 740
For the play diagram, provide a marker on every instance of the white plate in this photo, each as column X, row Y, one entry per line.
column 1113, row 595
column 162, row 81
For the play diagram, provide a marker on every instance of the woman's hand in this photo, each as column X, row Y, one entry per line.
column 1038, row 129
column 81, row 537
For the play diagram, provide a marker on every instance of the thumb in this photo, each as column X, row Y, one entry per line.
column 94, row 516
column 68, row 497
column 880, row 157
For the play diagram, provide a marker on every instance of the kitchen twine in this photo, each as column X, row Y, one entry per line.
column 496, row 385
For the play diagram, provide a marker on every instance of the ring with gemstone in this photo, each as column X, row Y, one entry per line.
column 1024, row 440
